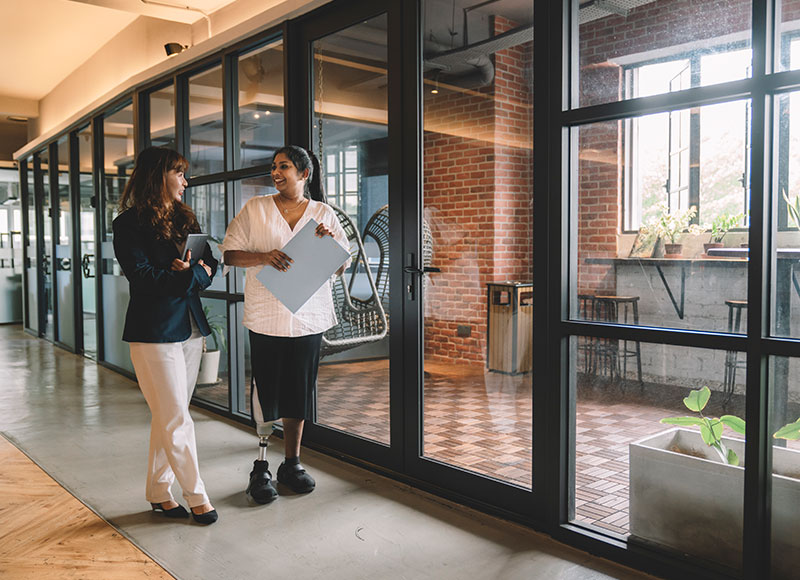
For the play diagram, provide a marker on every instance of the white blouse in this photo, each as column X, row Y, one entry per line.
column 260, row 227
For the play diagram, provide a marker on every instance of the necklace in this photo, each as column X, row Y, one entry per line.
column 287, row 210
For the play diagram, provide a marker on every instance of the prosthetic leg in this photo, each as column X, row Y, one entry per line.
column 260, row 488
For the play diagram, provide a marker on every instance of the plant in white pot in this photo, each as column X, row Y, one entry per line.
column 687, row 490
column 209, row 363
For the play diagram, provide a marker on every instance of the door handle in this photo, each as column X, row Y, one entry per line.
column 420, row 272
column 86, row 265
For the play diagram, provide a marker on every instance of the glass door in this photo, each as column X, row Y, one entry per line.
column 31, row 248
column 118, row 159
column 62, row 264
column 350, row 134
column 46, row 245
column 87, row 269
column 473, row 268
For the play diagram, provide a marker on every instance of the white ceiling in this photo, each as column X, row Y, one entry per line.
column 45, row 40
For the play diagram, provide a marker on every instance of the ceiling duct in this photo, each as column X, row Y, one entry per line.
column 471, row 66
column 595, row 9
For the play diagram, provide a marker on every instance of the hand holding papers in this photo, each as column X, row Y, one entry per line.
column 315, row 259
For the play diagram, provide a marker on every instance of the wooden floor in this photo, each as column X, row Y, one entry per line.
column 47, row 533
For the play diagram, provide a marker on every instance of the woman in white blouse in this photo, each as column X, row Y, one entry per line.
column 284, row 347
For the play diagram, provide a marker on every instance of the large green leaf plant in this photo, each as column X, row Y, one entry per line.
column 711, row 428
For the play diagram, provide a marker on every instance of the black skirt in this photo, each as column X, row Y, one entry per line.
column 285, row 373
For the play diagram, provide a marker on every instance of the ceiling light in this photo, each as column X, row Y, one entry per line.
column 173, row 48
column 256, row 116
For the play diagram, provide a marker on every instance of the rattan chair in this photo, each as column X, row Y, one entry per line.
column 360, row 320
column 377, row 228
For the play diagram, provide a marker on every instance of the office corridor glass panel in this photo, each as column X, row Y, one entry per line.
column 785, row 430
column 477, row 232
column 32, row 255
column 87, row 269
column 260, row 80
column 10, row 247
column 63, row 266
column 46, row 220
column 680, row 263
column 350, row 137
column 118, row 164
column 205, row 123
column 162, row 117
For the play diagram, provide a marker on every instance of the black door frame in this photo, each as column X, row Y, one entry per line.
column 403, row 458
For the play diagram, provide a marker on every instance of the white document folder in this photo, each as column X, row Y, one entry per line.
column 315, row 261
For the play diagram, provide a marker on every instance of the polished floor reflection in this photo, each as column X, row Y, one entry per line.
column 87, row 427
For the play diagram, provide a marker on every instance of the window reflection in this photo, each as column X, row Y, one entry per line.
column 616, row 38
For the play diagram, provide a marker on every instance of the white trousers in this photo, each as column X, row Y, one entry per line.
column 167, row 373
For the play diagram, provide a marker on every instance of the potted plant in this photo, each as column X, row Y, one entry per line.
column 719, row 227
column 209, row 363
column 794, row 208
column 668, row 225
column 687, row 489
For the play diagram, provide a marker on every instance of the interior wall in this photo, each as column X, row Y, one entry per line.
column 137, row 55
column 138, row 47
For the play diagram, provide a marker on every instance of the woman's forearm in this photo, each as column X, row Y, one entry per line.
column 244, row 259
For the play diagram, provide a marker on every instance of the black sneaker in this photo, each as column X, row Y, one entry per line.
column 260, row 488
column 296, row 478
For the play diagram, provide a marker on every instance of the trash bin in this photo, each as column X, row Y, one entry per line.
column 510, row 327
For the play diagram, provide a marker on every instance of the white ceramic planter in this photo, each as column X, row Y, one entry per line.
column 693, row 503
column 209, row 368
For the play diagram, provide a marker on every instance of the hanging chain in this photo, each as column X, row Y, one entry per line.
column 320, row 94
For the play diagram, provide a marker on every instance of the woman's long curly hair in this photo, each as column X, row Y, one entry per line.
column 146, row 193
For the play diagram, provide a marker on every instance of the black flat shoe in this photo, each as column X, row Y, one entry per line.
column 260, row 488
column 206, row 518
column 177, row 512
column 296, row 478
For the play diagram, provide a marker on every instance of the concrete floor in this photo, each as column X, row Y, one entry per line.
column 88, row 428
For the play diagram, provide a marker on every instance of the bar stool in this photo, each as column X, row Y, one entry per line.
column 586, row 343
column 732, row 362
column 614, row 360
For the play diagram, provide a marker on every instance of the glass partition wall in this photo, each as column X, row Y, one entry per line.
column 680, row 172
column 118, row 158
column 681, row 138
column 477, row 253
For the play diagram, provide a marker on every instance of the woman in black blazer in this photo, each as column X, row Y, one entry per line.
column 165, row 322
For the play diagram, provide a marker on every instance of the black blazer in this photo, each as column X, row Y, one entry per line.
column 161, row 299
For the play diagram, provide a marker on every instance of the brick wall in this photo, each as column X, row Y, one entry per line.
column 477, row 167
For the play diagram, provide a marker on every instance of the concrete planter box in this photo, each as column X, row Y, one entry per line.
column 693, row 503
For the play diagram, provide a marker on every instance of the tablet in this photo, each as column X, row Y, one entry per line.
column 197, row 244
column 315, row 260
